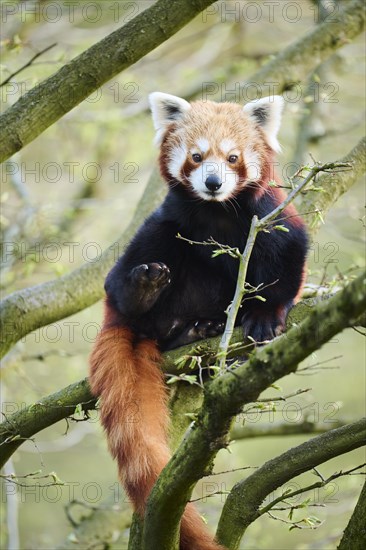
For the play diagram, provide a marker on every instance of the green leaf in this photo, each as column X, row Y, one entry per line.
column 78, row 409
column 313, row 520
column 56, row 479
column 218, row 252
column 181, row 361
column 173, row 379
column 215, row 368
column 190, row 378
column 305, row 503
column 281, row 228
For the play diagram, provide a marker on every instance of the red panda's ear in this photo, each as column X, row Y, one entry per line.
column 267, row 113
column 165, row 109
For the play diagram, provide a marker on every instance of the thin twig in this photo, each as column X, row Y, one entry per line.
column 319, row 484
column 296, row 524
column 283, row 397
column 28, row 64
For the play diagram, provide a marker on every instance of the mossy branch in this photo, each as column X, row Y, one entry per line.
column 57, row 95
column 333, row 186
column 24, row 424
column 281, row 429
column 225, row 397
column 354, row 536
column 242, row 505
column 292, row 65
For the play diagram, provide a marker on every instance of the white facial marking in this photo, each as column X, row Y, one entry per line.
column 177, row 158
column 252, row 163
column 213, row 166
column 203, row 145
column 226, row 145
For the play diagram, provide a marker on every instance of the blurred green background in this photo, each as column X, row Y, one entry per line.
column 90, row 168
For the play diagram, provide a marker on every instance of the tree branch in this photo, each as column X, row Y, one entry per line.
column 242, row 505
column 334, row 186
column 30, row 420
column 282, row 429
column 354, row 535
column 75, row 81
column 24, row 424
column 225, row 397
column 293, row 64
column 287, row 495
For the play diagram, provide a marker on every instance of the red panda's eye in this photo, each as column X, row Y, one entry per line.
column 197, row 157
column 232, row 159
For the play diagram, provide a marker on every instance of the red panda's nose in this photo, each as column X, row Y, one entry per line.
column 213, row 182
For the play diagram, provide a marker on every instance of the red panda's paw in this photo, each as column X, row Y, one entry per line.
column 262, row 327
column 155, row 275
column 197, row 330
column 205, row 329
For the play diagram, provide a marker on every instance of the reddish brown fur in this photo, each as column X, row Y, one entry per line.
column 127, row 377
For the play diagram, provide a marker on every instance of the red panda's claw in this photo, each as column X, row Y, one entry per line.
column 261, row 329
column 154, row 274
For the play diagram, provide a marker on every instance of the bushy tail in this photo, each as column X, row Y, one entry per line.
column 125, row 373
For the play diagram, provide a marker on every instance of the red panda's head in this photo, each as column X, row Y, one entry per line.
column 216, row 149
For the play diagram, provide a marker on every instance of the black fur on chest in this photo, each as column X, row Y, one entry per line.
column 201, row 287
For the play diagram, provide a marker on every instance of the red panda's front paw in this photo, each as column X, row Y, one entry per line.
column 261, row 327
column 154, row 274
column 205, row 329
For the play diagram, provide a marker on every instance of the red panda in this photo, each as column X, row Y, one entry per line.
column 217, row 160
